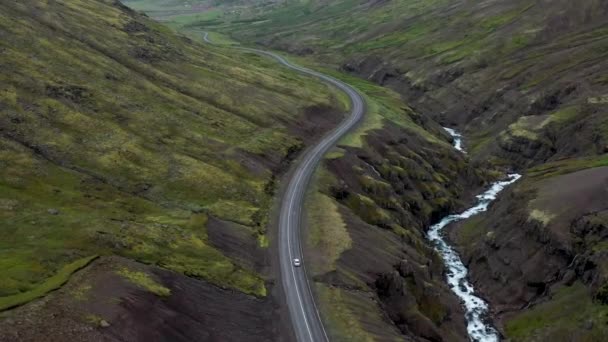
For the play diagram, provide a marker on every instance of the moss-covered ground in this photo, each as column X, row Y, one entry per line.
column 144, row 281
column 525, row 82
column 530, row 77
column 49, row 284
column 119, row 137
column 570, row 315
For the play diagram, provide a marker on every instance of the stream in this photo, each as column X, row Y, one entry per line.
column 457, row 139
column 476, row 309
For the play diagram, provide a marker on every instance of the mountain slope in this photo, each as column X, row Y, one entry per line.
column 139, row 172
column 540, row 254
column 121, row 138
column 526, row 82
column 479, row 65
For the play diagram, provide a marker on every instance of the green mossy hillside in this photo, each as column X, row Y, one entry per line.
column 570, row 314
column 481, row 67
column 119, row 137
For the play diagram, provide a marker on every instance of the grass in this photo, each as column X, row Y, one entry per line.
column 494, row 22
column 530, row 127
column 155, row 5
column 368, row 210
column 215, row 37
column 144, row 281
column 81, row 293
column 561, row 318
column 498, row 45
column 400, row 29
column 52, row 283
column 94, row 320
column 237, row 211
column 164, row 7
column 541, row 216
column 335, row 153
column 598, row 100
column 471, row 230
column 600, row 247
column 378, row 203
column 507, row 46
column 343, row 311
column 187, row 19
column 328, row 233
column 566, row 166
column 563, row 115
column 526, row 127
column 174, row 238
column 382, row 105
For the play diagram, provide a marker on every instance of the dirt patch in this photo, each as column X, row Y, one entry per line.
column 74, row 93
column 573, row 195
column 98, row 304
column 314, row 122
column 134, row 26
column 237, row 242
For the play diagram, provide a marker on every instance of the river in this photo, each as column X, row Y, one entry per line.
column 476, row 309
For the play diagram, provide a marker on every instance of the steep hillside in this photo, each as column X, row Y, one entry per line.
column 376, row 277
column 542, row 248
column 526, row 82
column 139, row 172
column 480, row 66
column 119, row 138
column 154, row 160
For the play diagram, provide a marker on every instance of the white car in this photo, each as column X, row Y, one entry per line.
column 297, row 262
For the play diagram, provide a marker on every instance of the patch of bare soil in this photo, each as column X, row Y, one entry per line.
column 238, row 243
column 314, row 122
column 571, row 196
column 98, row 304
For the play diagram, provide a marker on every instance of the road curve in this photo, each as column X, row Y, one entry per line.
column 305, row 319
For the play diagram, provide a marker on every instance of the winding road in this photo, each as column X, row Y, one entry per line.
column 305, row 318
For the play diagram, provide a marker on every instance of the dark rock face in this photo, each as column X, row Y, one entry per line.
column 530, row 255
column 417, row 308
column 415, row 187
column 391, row 191
column 516, row 266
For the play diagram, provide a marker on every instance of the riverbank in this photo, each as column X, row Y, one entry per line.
column 476, row 309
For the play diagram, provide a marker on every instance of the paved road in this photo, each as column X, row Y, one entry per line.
column 299, row 298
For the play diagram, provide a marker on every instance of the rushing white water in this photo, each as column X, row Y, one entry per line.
column 475, row 308
column 457, row 139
